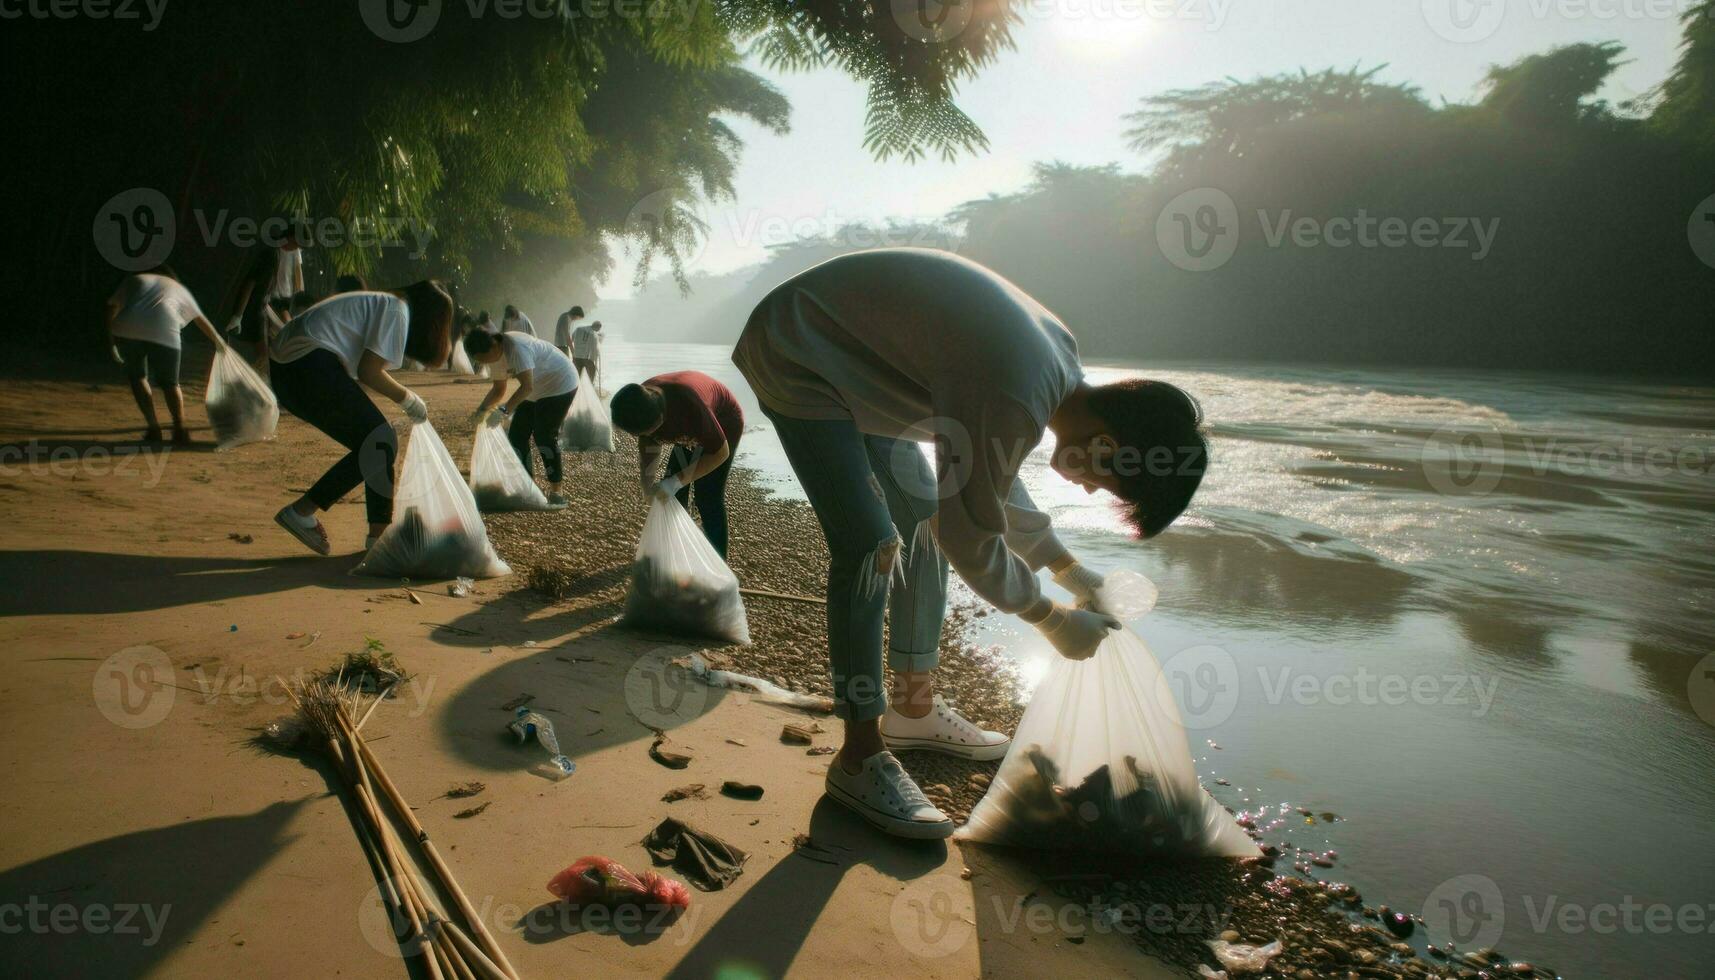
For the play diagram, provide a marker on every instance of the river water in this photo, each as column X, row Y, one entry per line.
column 1467, row 612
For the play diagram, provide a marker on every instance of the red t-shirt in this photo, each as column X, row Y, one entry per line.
column 698, row 410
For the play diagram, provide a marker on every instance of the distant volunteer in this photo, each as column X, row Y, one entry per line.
column 586, row 350
column 144, row 317
column 537, row 408
column 516, row 322
column 857, row 359
column 700, row 421
column 273, row 272
column 486, row 324
column 563, row 329
column 325, row 358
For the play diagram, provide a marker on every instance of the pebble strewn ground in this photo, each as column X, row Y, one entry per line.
column 581, row 558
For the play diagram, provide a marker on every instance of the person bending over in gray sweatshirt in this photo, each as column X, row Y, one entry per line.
column 857, row 360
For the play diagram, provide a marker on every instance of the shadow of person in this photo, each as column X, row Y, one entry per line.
column 58, row 582
column 117, row 907
column 763, row 932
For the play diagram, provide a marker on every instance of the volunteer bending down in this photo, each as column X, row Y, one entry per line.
column 538, row 408
column 317, row 365
column 860, row 357
column 144, row 318
column 701, row 420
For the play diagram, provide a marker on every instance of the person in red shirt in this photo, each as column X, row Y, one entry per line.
column 701, row 421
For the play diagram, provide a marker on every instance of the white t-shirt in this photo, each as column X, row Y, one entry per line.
column 518, row 324
column 348, row 325
column 563, row 331
column 550, row 371
column 287, row 263
column 153, row 308
column 586, row 343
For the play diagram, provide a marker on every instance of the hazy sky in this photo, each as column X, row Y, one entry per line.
column 1080, row 65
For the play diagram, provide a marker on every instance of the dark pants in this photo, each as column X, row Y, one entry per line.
column 540, row 419
column 711, row 492
column 316, row 389
column 158, row 362
column 585, row 365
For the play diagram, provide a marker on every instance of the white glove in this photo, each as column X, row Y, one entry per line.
column 414, row 407
column 1076, row 633
column 1082, row 583
column 235, row 324
column 668, row 487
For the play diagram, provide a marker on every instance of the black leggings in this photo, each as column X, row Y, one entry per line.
column 711, row 492
column 316, row 389
column 540, row 418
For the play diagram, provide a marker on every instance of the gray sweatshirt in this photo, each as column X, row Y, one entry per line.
column 924, row 345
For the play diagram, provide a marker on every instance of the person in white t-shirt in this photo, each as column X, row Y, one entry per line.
column 563, row 329
column 144, row 317
column 516, row 322
column 538, row 408
column 319, row 361
column 586, row 351
column 273, row 272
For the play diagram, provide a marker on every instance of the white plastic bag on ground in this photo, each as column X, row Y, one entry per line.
column 679, row 584
column 497, row 477
column 437, row 532
column 241, row 407
column 587, row 427
column 1100, row 762
column 1242, row 957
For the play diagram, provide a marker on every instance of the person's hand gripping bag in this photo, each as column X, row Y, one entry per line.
column 497, row 477
column 587, row 428
column 437, row 532
column 241, row 407
column 1101, row 763
column 679, row 583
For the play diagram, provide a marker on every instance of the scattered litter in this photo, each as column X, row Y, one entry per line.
column 463, row 790
column 707, row 861
column 413, row 597
column 233, row 628
column 766, row 690
column 738, row 742
column 518, row 702
column 1244, row 958
column 294, row 636
column 672, row 760
column 822, row 750
column 693, row 791
column 240, row 538
column 794, row 734
column 313, row 638
column 286, row 733
column 527, row 724
column 473, row 811
column 529, row 643
column 604, row 881
column 741, row 791
column 461, row 588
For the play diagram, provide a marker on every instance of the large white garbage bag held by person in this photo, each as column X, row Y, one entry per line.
column 587, row 427
column 1101, row 762
column 437, row 532
column 497, row 478
column 241, row 407
column 679, row 583
column 460, row 363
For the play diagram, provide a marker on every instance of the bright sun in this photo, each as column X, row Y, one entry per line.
column 1099, row 27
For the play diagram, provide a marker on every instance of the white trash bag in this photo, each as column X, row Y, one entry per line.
column 437, row 532
column 241, row 407
column 1127, row 595
column 460, row 362
column 679, row 583
column 497, row 477
column 1100, row 762
column 587, row 428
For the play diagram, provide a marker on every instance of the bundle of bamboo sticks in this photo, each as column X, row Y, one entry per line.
column 449, row 953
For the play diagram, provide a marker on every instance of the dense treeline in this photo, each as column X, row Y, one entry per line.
column 1333, row 217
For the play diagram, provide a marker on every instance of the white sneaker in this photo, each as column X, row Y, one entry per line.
column 884, row 795
column 942, row 730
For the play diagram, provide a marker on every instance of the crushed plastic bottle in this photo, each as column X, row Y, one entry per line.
column 461, row 588
column 527, row 724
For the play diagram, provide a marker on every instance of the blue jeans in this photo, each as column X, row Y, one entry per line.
column 873, row 497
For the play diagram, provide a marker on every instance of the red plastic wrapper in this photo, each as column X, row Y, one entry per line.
column 604, row 881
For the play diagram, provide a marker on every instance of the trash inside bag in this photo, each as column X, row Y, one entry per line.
column 437, row 532
column 497, row 477
column 603, row 881
column 1100, row 763
column 679, row 584
column 527, row 724
column 587, row 427
column 241, row 407
column 1127, row 595
column 1242, row 958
